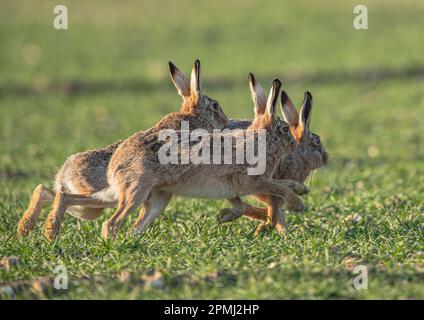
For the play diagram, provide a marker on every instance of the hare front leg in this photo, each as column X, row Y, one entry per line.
column 153, row 207
column 63, row 201
column 40, row 196
column 274, row 212
column 277, row 215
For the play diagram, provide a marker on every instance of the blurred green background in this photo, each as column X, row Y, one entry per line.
column 63, row 91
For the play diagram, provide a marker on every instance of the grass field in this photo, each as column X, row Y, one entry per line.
column 106, row 77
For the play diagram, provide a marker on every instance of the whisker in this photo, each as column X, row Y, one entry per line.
column 309, row 178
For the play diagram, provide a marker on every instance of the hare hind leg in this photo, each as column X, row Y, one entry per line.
column 272, row 215
column 40, row 196
column 279, row 188
column 239, row 209
column 297, row 187
column 153, row 207
column 85, row 213
column 129, row 200
column 62, row 201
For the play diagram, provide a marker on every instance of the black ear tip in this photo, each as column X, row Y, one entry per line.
column 277, row 84
column 172, row 67
column 252, row 78
column 308, row 95
column 197, row 63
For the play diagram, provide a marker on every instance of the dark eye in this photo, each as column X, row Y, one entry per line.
column 285, row 129
column 215, row 106
column 317, row 140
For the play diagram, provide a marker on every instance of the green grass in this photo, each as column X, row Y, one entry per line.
column 106, row 77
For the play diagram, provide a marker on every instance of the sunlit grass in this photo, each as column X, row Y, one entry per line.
column 105, row 78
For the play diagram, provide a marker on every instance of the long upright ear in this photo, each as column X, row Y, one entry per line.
column 180, row 80
column 195, row 81
column 258, row 95
column 306, row 111
column 289, row 111
column 271, row 104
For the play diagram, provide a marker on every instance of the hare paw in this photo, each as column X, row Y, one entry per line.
column 281, row 229
column 24, row 227
column 226, row 215
column 295, row 205
column 51, row 229
column 263, row 226
column 299, row 188
column 108, row 230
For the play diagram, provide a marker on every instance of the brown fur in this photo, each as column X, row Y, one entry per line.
column 135, row 172
column 308, row 155
column 85, row 174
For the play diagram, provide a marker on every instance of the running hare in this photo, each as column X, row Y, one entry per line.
column 137, row 176
column 308, row 155
column 81, row 185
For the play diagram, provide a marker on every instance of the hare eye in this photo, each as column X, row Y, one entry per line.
column 285, row 129
column 215, row 106
column 317, row 140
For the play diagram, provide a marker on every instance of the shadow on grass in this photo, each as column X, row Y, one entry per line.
column 339, row 282
column 9, row 174
column 83, row 87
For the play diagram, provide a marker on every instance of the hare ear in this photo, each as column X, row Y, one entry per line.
column 258, row 95
column 306, row 111
column 180, row 80
column 289, row 111
column 195, row 81
column 271, row 104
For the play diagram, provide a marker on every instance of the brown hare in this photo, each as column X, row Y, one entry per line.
column 81, row 185
column 308, row 155
column 136, row 175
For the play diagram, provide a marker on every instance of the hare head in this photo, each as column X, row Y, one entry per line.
column 193, row 99
column 265, row 113
column 310, row 142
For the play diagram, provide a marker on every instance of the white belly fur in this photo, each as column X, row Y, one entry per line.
column 209, row 190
